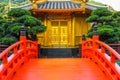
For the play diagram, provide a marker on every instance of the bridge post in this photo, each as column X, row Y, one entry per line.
column 23, row 34
column 23, row 38
column 95, row 36
column 95, row 32
column 83, row 39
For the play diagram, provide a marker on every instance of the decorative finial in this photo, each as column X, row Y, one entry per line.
column 95, row 30
column 83, row 37
column 23, row 31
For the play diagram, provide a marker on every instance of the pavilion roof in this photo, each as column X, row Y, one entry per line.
column 58, row 5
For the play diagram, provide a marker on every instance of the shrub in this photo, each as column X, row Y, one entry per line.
column 108, row 25
column 17, row 18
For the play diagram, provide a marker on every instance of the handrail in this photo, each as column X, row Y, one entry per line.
column 112, row 51
column 104, row 56
column 21, row 52
column 9, row 48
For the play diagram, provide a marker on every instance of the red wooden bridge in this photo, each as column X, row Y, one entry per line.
column 98, row 62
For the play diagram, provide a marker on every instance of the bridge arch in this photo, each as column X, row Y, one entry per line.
column 103, row 56
column 21, row 52
column 98, row 52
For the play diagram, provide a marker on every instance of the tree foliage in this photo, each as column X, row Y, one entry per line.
column 15, row 3
column 18, row 18
column 3, row 9
column 108, row 25
column 18, row 12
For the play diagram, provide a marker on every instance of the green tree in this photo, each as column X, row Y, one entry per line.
column 18, row 18
column 108, row 25
column 3, row 9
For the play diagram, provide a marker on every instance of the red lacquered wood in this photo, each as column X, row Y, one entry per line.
column 95, row 63
column 19, row 55
column 60, row 69
column 103, row 55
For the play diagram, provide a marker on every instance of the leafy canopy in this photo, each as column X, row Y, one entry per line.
column 108, row 25
column 18, row 12
column 17, row 18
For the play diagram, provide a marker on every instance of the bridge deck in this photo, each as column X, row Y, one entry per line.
column 59, row 69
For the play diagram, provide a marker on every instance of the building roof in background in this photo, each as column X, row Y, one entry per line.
column 27, row 6
column 115, row 4
column 60, row 5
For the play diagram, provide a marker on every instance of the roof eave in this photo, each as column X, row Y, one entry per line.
column 59, row 10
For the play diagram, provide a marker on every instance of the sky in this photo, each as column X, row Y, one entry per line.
column 115, row 4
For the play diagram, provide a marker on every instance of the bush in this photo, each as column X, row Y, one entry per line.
column 108, row 25
column 17, row 18
column 18, row 12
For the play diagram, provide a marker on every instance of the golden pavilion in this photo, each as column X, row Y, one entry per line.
column 65, row 22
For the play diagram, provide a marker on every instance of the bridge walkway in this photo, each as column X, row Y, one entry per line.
column 60, row 69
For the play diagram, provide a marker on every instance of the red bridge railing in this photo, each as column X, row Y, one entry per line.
column 103, row 55
column 15, row 56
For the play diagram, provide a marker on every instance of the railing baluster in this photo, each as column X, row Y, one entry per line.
column 5, row 59
column 28, row 44
column 15, row 49
column 102, row 49
column 112, row 58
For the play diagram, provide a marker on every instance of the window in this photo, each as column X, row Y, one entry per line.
column 63, row 23
column 55, row 23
